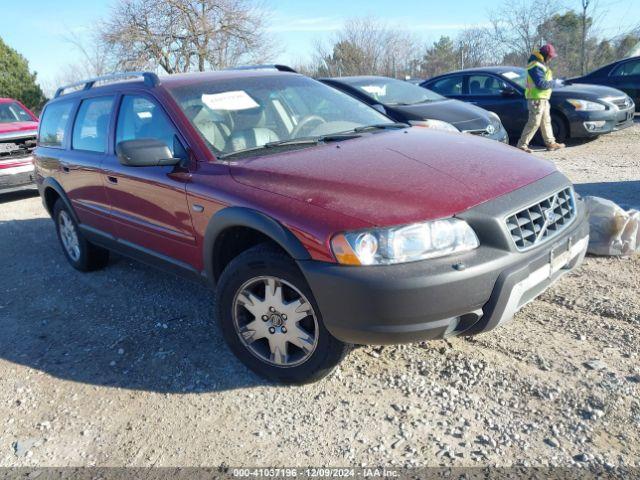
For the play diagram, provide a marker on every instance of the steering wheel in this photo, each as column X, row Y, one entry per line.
column 304, row 123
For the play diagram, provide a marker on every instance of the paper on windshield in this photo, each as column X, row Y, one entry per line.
column 510, row 75
column 235, row 100
column 375, row 89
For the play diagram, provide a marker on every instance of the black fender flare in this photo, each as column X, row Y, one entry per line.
column 52, row 183
column 246, row 217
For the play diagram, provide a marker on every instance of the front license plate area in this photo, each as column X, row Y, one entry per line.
column 560, row 256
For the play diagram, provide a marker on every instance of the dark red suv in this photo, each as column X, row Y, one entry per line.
column 320, row 222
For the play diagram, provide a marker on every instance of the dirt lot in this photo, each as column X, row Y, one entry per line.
column 126, row 367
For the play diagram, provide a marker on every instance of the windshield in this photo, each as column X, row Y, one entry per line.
column 390, row 91
column 517, row 75
column 247, row 113
column 12, row 112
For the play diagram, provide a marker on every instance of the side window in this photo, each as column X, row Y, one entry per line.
column 53, row 124
column 485, row 85
column 448, row 85
column 140, row 118
column 626, row 69
column 91, row 129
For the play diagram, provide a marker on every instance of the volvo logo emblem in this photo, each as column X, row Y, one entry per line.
column 550, row 215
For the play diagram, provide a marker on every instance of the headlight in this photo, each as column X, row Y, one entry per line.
column 586, row 105
column 495, row 121
column 409, row 243
column 435, row 124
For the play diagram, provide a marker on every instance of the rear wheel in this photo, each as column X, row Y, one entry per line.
column 80, row 253
column 271, row 321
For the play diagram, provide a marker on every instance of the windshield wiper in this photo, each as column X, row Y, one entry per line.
column 335, row 137
column 381, row 126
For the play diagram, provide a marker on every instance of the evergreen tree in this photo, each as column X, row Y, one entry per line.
column 16, row 81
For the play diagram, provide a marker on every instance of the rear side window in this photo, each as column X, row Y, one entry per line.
column 626, row 69
column 140, row 118
column 53, row 124
column 91, row 129
column 448, row 86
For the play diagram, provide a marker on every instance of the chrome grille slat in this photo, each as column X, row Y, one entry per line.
column 542, row 220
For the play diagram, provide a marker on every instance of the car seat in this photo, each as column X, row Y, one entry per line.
column 249, row 131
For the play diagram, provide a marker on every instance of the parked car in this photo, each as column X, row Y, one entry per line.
column 320, row 222
column 18, row 129
column 623, row 75
column 577, row 110
column 405, row 102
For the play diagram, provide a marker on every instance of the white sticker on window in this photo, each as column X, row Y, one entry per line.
column 236, row 100
column 510, row 75
column 375, row 89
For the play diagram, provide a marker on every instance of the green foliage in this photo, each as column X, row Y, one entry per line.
column 441, row 57
column 16, row 81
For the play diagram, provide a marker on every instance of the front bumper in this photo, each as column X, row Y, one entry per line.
column 16, row 175
column 607, row 121
column 437, row 298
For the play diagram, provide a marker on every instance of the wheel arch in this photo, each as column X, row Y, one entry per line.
column 51, row 192
column 247, row 222
column 564, row 119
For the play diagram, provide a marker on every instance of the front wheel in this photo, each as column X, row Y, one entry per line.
column 559, row 128
column 270, row 320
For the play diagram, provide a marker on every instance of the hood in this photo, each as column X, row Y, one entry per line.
column 586, row 91
column 463, row 115
column 18, row 127
column 395, row 177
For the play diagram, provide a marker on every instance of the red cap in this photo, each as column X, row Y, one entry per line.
column 548, row 51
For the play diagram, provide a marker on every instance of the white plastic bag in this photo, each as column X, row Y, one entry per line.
column 614, row 231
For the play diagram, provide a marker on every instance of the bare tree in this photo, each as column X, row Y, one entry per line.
column 366, row 46
column 476, row 47
column 515, row 25
column 183, row 35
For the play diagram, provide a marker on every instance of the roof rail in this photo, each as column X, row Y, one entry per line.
column 149, row 78
column 280, row 68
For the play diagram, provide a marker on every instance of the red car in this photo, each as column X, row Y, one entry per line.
column 320, row 222
column 18, row 129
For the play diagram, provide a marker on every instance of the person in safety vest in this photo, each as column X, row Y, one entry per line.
column 538, row 92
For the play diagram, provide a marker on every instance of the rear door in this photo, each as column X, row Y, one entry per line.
column 449, row 86
column 626, row 77
column 72, row 142
column 491, row 93
column 149, row 204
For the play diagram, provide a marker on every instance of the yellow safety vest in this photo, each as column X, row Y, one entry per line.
column 532, row 92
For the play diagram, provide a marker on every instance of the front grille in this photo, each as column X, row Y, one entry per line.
column 17, row 148
column 542, row 220
column 621, row 102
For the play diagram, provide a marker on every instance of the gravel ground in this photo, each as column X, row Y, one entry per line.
column 127, row 367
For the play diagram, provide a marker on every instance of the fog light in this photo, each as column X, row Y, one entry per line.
column 595, row 125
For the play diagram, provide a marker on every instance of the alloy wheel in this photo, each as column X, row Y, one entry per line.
column 275, row 321
column 69, row 236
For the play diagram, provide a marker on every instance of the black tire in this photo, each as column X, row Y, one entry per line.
column 559, row 127
column 264, row 261
column 89, row 257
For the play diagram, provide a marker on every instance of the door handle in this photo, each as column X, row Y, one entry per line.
column 112, row 179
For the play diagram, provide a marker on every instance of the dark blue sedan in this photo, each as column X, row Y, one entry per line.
column 577, row 110
column 623, row 75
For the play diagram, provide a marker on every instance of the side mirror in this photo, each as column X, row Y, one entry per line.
column 145, row 152
column 509, row 92
column 380, row 108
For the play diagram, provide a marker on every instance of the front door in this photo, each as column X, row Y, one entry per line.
column 149, row 204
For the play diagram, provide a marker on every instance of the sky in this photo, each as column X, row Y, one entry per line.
column 39, row 29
